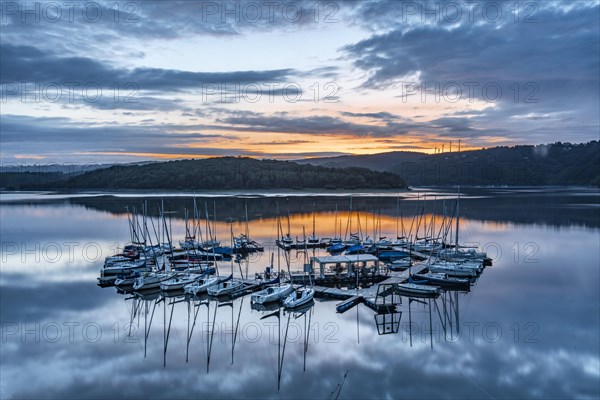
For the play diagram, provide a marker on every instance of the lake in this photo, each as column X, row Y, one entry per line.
column 528, row 328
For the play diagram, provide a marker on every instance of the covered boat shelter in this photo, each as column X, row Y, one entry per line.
column 350, row 262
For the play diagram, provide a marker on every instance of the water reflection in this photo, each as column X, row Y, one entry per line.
column 527, row 329
column 444, row 309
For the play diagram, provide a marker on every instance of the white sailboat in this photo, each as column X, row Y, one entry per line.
column 178, row 282
column 272, row 293
column 226, row 287
column 299, row 297
column 202, row 284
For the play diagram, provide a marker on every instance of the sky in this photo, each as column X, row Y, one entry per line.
column 97, row 82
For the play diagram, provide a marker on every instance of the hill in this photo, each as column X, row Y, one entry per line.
column 210, row 174
column 551, row 164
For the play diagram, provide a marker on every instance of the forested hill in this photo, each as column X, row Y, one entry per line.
column 551, row 164
column 210, row 174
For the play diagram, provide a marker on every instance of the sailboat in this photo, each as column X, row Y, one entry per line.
column 227, row 286
column 272, row 293
column 336, row 244
column 300, row 296
column 189, row 243
column 243, row 244
column 178, row 282
column 285, row 242
column 313, row 239
column 211, row 232
column 202, row 284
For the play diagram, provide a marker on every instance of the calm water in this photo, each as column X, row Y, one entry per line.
column 529, row 328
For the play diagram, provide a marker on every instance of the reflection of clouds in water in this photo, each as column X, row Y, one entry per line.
column 558, row 294
column 378, row 365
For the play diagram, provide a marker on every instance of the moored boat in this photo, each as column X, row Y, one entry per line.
column 225, row 288
column 151, row 280
column 299, row 297
column 415, row 289
column 272, row 293
column 179, row 281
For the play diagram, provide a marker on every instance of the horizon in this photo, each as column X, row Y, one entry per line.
column 126, row 82
column 40, row 164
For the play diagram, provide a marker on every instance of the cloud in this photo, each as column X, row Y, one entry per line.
column 542, row 67
column 312, row 125
column 122, row 28
column 28, row 64
column 486, row 52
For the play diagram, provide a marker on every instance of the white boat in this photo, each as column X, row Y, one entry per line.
column 335, row 240
column 272, row 293
column 153, row 251
column 427, row 246
column 209, row 244
column 313, row 239
column 225, row 287
column 189, row 244
column 107, row 280
column 354, row 239
column 117, row 258
column 287, row 240
column 124, row 268
column 476, row 265
column 439, row 278
column 401, row 264
column 299, row 297
column 126, row 281
column 202, row 285
column 152, row 280
column 384, row 243
column 178, row 282
column 415, row 289
column 452, row 269
column 462, row 255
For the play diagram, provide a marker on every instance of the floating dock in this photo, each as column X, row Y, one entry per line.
column 374, row 296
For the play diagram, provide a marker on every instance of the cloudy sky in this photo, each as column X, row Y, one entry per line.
column 129, row 81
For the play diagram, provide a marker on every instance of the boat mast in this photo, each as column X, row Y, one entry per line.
column 314, row 210
column 247, row 229
column 214, row 229
column 397, row 216
column 349, row 222
column 457, row 217
column 209, row 234
column 289, row 232
column 336, row 223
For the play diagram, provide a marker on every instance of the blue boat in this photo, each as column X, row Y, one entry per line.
column 355, row 249
column 336, row 248
column 224, row 250
column 391, row 256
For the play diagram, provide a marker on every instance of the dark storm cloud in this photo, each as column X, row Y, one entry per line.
column 545, row 66
column 375, row 115
column 478, row 51
column 23, row 129
column 316, row 124
column 497, row 52
column 65, row 26
column 24, row 64
column 62, row 137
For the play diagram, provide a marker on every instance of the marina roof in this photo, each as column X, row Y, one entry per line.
column 344, row 259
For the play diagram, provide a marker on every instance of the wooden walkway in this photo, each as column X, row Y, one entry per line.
column 369, row 295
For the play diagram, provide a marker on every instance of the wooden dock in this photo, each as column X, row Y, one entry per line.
column 375, row 296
